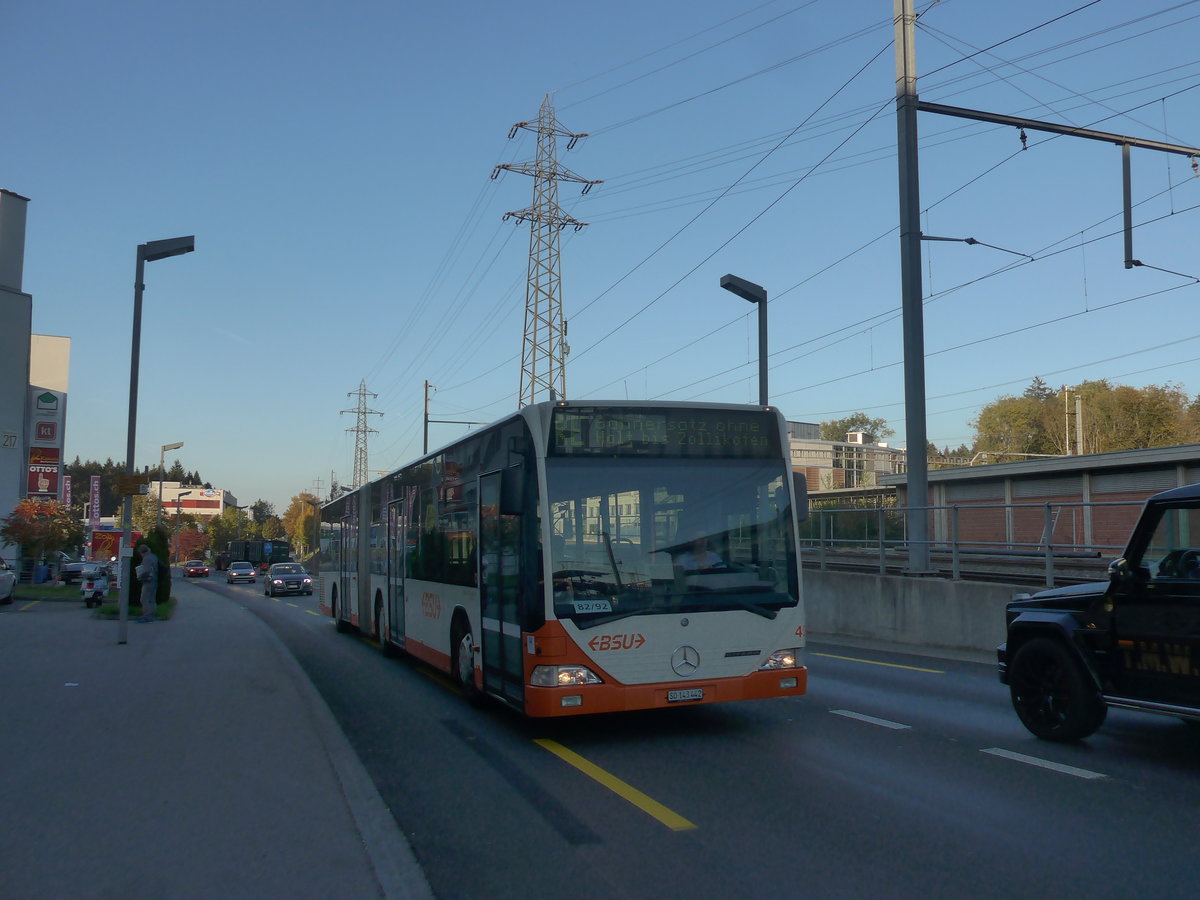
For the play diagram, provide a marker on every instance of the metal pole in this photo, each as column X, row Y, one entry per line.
column 162, row 453
column 910, row 278
column 126, row 551
column 762, row 350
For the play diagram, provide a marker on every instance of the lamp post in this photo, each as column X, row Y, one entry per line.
column 161, row 458
column 147, row 252
column 754, row 293
column 178, row 512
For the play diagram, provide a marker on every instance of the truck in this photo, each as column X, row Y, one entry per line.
column 1131, row 642
column 262, row 553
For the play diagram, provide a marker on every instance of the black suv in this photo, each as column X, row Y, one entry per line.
column 1132, row 642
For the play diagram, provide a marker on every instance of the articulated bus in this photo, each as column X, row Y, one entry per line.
column 584, row 557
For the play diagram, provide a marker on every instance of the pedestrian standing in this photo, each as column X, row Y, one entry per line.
column 147, row 575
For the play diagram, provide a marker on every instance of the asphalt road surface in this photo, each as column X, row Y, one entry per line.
column 896, row 776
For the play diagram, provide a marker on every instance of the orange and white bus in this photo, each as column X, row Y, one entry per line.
column 584, row 557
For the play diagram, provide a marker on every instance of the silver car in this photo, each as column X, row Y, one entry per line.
column 239, row 571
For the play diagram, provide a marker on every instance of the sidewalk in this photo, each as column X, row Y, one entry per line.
column 194, row 761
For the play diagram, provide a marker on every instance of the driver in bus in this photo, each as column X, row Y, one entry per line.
column 698, row 557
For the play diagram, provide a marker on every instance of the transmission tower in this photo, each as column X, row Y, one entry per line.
column 361, row 431
column 544, row 351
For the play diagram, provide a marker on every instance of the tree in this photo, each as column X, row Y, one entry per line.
column 225, row 528
column 272, row 528
column 40, row 527
column 298, row 520
column 1108, row 417
column 192, row 543
column 837, row 429
column 260, row 511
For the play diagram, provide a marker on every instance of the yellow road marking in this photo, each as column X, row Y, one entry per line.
column 31, row 603
column 627, row 792
column 311, row 613
column 872, row 662
column 297, row 605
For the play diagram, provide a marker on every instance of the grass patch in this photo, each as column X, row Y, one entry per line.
column 111, row 611
column 49, row 591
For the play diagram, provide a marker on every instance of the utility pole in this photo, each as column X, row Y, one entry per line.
column 544, row 350
column 912, row 310
column 907, row 106
column 361, row 431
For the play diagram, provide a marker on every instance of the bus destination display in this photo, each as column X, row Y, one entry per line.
column 591, row 431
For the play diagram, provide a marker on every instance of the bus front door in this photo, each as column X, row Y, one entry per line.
column 397, row 529
column 500, row 580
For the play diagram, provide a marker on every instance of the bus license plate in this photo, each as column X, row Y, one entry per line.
column 685, row 694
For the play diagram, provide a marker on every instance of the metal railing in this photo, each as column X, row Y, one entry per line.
column 1065, row 542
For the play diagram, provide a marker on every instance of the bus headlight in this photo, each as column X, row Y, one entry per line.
column 563, row 676
column 782, row 659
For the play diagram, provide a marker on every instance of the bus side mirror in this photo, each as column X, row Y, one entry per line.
column 800, row 483
column 512, row 491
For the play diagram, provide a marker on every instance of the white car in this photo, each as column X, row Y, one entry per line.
column 8, row 582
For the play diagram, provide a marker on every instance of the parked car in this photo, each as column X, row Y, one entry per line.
column 239, row 571
column 195, row 568
column 1129, row 642
column 69, row 570
column 287, row 578
column 93, row 584
column 8, row 582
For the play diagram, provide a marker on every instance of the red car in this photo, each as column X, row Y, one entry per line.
column 195, row 568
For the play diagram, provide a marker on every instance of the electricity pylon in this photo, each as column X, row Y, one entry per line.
column 544, row 351
column 361, row 431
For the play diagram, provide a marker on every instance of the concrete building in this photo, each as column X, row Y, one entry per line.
column 34, row 374
column 828, row 466
column 200, row 502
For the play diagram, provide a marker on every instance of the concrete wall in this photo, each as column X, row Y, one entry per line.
column 926, row 612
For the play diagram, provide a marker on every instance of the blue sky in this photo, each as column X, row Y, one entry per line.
column 333, row 161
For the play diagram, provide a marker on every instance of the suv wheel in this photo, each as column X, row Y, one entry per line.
column 1052, row 694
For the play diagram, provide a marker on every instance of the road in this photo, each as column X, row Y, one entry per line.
column 896, row 776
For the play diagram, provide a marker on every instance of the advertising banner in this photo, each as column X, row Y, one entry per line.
column 66, row 492
column 44, row 465
column 47, row 411
column 94, row 504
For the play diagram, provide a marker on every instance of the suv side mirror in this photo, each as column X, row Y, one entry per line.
column 1122, row 570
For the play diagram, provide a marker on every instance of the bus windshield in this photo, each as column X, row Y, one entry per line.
column 644, row 536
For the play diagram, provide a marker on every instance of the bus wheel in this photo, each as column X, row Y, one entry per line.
column 463, row 648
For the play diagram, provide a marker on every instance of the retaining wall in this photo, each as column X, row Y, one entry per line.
column 926, row 612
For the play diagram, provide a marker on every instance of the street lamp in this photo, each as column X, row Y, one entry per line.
column 178, row 512
column 147, row 252
column 754, row 293
column 161, row 458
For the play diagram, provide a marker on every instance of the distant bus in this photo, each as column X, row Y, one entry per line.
column 585, row 557
column 260, row 552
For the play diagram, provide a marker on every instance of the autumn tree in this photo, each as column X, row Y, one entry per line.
column 41, row 527
column 192, row 543
column 837, row 429
column 1042, row 421
column 298, row 519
